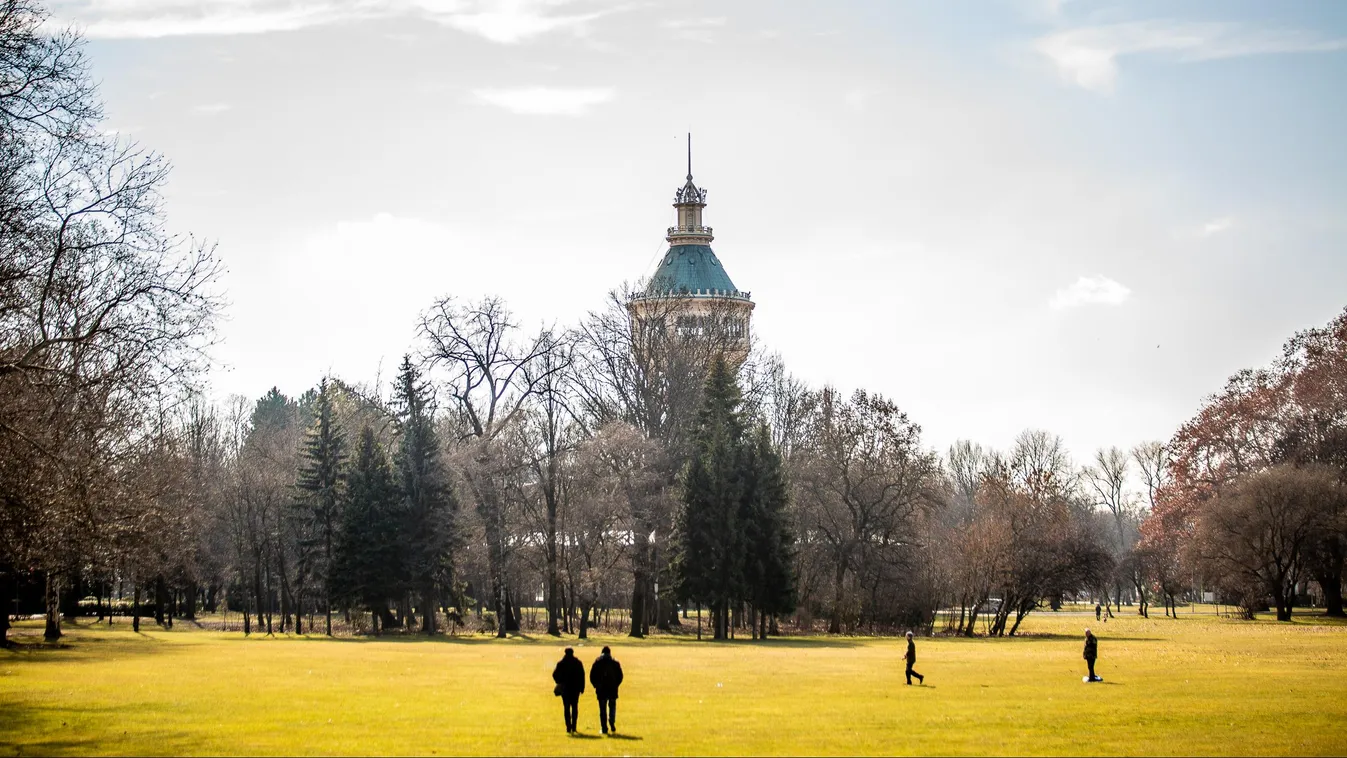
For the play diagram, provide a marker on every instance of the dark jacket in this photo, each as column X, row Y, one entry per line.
column 911, row 652
column 606, row 676
column 570, row 674
column 1091, row 647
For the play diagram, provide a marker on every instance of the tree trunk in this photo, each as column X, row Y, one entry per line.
column 839, row 587
column 53, row 603
column 7, row 591
column 135, row 606
column 972, row 619
column 1332, row 589
column 190, row 601
column 160, row 599
column 584, row 621
column 638, row 606
column 428, row 609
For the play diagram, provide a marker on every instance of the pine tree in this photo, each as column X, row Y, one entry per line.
column 770, row 540
column 711, row 541
column 428, row 496
column 367, row 564
column 320, row 482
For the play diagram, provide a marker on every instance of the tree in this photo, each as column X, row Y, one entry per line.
column 321, row 480
column 769, row 554
column 711, row 550
column 1107, row 481
column 428, row 495
column 367, row 564
column 103, row 313
column 864, row 479
column 1253, row 537
column 491, row 377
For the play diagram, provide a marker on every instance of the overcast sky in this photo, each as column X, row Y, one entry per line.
column 1079, row 216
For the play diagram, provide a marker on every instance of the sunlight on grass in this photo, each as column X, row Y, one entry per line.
column 1195, row 685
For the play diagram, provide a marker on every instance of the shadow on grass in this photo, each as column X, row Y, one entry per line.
column 632, row 737
column 79, row 644
column 545, row 640
column 44, row 730
column 583, row 736
column 1102, row 635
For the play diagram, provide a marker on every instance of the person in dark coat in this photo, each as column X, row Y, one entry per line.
column 1097, row 609
column 911, row 659
column 606, row 676
column 570, row 678
column 1091, row 653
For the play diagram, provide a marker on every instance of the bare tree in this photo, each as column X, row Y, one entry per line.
column 490, row 374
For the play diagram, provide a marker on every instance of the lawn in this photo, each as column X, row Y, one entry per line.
column 1196, row 685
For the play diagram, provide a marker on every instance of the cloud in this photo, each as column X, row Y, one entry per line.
column 695, row 29
column 1088, row 56
column 501, row 21
column 546, row 101
column 1216, row 226
column 211, row 109
column 1090, row 290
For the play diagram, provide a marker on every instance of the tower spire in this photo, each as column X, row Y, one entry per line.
column 689, row 156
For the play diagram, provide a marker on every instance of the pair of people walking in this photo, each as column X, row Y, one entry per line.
column 605, row 675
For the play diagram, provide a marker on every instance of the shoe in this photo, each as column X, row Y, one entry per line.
column 921, row 680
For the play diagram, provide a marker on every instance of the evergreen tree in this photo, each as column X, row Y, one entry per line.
column 770, row 538
column 367, row 564
column 711, row 568
column 428, row 497
column 320, row 482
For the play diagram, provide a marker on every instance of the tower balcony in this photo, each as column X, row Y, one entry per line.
column 689, row 231
column 718, row 294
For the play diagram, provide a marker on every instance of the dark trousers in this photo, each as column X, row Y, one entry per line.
column 571, row 705
column 1090, row 662
column 911, row 673
column 608, row 713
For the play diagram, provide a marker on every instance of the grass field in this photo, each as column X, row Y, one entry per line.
column 1196, row 685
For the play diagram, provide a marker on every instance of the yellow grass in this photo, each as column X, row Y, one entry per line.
column 1198, row 685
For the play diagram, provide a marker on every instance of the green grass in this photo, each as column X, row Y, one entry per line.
column 1198, row 685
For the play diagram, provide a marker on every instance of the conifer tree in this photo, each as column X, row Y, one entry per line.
column 367, row 567
column 320, row 482
column 711, row 540
column 770, row 538
column 428, row 497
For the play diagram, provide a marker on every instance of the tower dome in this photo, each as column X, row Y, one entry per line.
column 690, row 287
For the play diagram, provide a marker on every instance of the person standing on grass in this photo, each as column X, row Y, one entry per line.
column 606, row 676
column 911, row 658
column 1097, row 609
column 570, row 678
column 1091, row 653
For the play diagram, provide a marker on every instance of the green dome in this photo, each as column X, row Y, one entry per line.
column 689, row 268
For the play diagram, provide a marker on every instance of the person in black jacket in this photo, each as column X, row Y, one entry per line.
column 911, row 659
column 1091, row 653
column 570, row 678
column 606, row 676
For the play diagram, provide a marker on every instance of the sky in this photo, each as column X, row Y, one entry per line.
column 1070, row 215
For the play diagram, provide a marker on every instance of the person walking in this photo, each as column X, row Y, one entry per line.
column 570, row 678
column 1091, row 653
column 1097, row 609
column 911, row 658
column 606, row 676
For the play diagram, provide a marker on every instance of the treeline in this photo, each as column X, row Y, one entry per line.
column 622, row 464
column 1253, row 507
column 103, row 318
